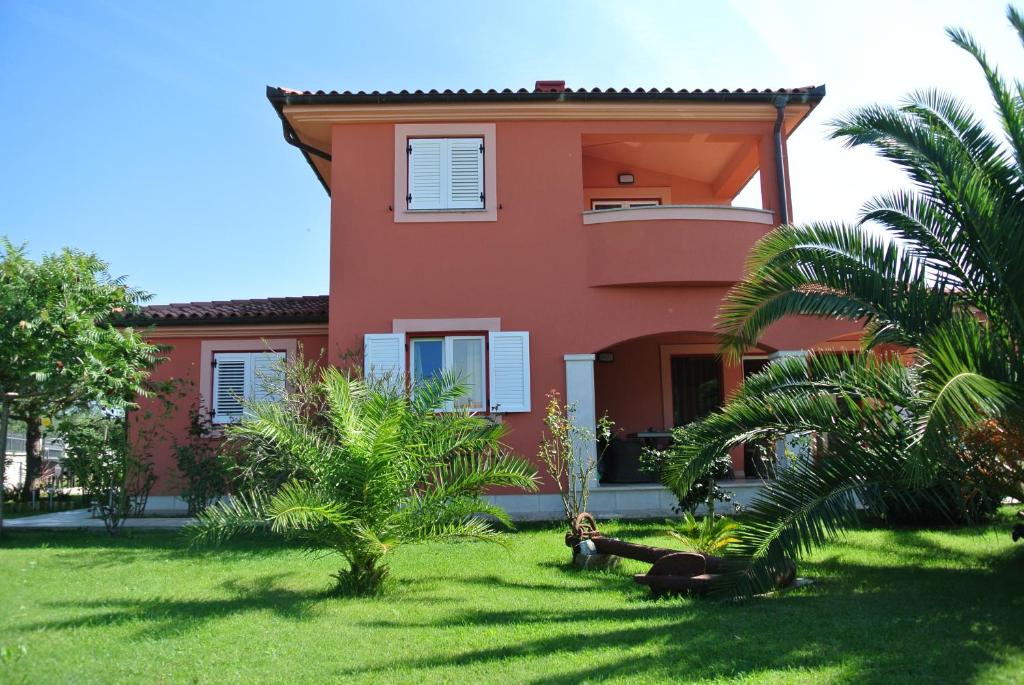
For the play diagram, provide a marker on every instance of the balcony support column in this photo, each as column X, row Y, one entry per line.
column 580, row 398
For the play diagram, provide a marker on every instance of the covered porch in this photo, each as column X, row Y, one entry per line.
column 648, row 386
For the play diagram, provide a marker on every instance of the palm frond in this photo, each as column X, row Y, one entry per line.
column 468, row 529
column 240, row 514
column 298, row 506
column 834, row 271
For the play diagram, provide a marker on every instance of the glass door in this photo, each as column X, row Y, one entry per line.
column 696, row 388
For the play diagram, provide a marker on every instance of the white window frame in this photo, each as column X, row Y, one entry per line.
column 447, row 359
column 403, row 132
column 623, row 203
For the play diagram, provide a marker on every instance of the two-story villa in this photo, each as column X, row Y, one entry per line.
column 531, row 240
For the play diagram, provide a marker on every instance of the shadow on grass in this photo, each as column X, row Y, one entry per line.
column 160, row 617
column 129, row 545
column 950, row 624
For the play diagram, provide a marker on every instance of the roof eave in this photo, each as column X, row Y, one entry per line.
column 221, row 321
column 279, row 97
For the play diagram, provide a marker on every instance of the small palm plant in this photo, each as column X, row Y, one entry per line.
column 369, row 467
column 709, row 535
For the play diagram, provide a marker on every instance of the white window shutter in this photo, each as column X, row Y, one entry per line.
column 465, row 173
column 267, row 377
column 426, row 188
column 510, row 371
column 231, row 379
column 384, row 358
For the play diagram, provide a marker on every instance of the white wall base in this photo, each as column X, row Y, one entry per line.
column 615, row 502
column 606, row 501
column 166, row 504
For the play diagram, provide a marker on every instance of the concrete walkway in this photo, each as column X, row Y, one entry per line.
column 79, row 518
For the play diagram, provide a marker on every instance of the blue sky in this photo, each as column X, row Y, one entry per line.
column 140, row 130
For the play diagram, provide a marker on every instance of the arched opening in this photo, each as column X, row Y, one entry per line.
column 651, row 384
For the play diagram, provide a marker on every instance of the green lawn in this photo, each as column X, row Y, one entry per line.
column 888, row 606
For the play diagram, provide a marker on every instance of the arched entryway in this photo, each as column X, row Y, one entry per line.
column 650, row 384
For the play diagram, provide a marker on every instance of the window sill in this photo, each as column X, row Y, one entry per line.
column 445, row 215
column 473, row 210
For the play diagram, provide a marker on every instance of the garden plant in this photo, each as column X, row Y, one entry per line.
column 367, row 466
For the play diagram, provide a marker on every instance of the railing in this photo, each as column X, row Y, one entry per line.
column 671, row 244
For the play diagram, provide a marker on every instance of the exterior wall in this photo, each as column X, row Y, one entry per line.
column 157, row 427
column 528, row 268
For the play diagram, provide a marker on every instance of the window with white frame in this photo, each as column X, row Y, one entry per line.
column 445, row 173
column 459, row 355
column 622, row 204
column 496, row 367
column 244, row 377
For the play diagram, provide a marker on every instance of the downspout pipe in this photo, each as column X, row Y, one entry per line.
column 292, row 138
column 780, row 165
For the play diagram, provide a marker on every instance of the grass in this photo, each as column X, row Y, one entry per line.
column 888, row 606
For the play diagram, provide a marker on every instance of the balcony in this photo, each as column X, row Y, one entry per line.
column 671, row 244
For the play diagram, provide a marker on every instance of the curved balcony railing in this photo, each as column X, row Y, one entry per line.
column 671, row 244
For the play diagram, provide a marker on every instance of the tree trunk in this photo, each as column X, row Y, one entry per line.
column 33, row 455
column 365, row 575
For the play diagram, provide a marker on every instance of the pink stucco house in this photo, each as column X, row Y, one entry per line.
column 575, row 240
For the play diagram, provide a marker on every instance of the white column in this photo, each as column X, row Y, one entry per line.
column 579, row 393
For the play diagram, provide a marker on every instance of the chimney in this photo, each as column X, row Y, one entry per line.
column 549, row 87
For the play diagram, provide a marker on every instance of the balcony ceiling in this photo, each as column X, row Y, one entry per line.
column 702, row 158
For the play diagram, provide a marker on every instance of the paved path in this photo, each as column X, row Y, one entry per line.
column 79, row 518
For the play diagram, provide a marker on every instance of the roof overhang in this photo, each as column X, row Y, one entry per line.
column 307, row 117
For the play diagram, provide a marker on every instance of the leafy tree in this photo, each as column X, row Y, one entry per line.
column 370, row 468
column 937, row 268
column 59, row 345
column 95, row 445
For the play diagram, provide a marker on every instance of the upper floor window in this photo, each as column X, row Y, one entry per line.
column 620, row 204
column 445, row 173
column 241, row 377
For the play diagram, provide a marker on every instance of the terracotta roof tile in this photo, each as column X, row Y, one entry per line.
column 542, row 91
column 308, row 309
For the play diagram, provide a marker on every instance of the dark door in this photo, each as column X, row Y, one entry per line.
column 696, row 388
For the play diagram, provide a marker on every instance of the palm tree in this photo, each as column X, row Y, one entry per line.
column 937, row 268
column 369, row 468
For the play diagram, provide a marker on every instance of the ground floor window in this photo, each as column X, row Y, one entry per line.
column 461, row 355
column 241, row 377
column 495, row 367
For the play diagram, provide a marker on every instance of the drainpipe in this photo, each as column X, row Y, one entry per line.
column 780, row 166
column 292, row 138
